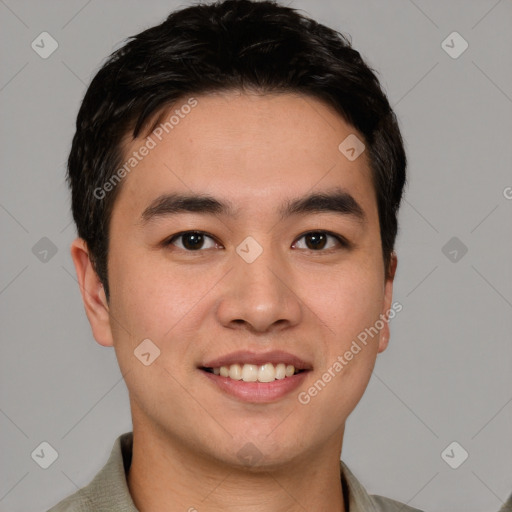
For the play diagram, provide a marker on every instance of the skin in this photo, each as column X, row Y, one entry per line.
column 199, row 305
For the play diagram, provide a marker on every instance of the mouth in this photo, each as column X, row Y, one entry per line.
column 251, row 366
column 253, row 377
column 267, row 372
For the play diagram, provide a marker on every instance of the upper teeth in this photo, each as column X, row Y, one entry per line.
column 256, row 373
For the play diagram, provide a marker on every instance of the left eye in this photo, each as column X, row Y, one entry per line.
column 193, row 241
column 318, row 240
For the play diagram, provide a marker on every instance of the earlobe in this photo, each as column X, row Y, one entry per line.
column 388, row 297
column 93, row 294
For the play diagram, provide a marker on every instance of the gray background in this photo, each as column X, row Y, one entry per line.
column 447, row 374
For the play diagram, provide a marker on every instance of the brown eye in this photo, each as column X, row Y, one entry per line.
column 319, row 240
column 316, row 240
column 192, row 241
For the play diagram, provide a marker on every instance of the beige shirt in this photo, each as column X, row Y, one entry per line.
column 507, row 507
column 108, row 491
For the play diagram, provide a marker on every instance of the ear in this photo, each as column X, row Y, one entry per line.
column 388, row 297
column 93, row 294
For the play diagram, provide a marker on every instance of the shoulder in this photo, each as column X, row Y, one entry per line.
column 388, row 505
column 360, row 501
column 507, row 507
column 108, row 490
column 77, row 502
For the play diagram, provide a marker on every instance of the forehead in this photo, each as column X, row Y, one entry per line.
column 249, row 148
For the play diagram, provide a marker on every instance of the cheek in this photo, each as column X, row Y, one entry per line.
column 150, row 302
column 350, row 304
column 154, row 299
column 346, row 301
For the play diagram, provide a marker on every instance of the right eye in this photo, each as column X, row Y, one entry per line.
column 192, row 241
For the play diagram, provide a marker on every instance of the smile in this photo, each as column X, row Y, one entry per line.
column 255, row 373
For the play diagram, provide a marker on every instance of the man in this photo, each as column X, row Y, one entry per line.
column 236, row 175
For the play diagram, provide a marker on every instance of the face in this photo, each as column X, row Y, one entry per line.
column 281, row 263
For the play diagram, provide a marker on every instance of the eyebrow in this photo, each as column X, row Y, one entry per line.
column 337, row 201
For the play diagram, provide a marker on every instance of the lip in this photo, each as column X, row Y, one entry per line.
column 256, row 392
column 249, row 357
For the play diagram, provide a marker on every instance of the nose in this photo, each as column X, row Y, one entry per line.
column 259, row 296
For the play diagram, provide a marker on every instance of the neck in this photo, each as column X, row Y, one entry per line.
column 168, row 476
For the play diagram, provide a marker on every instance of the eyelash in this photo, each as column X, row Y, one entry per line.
column 341, row 240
